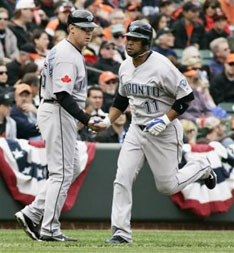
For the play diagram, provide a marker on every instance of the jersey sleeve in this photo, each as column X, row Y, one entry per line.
column 64, row 77
column 175, row 83
column 121, row 89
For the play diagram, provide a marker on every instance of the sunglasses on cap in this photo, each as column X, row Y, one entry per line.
column 112, row 81
column 3, row 72
column 118, row 35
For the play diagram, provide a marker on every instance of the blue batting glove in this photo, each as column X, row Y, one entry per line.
column 157, row 125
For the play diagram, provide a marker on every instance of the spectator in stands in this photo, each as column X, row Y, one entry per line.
column 9, row 5
column 4, row 87
column 41, row 42
column 92, row 50
column 23, row 17
column 95, row 95
column 187, row 30
column 190, row 131
column 159, row 21
column 8, row 41
column 33, row 81
column 108, row 82
column 222, row 85
column 213, row 129
column 84, row 133
column 218, row 29
column 210, row 8
column 167, row 7
column 220, row 50
column 62, row 9
column 230, row 40
column 117, row 17
column 47, row 6
column 94, row 6
column 15, row 67
column 105, row 62
column 118, row 38
column 132, row 12
column 165, row 43
column 191, row 57
column 29, row 67
column 199, row 106
column 58, row 36
column 7, row 124
column 150, row 7
column 115, row 133
column 24, row 113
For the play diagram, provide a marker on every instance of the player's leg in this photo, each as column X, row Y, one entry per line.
column 30, row 217
column 164, row 153
column 130, row 161
column 61, row 149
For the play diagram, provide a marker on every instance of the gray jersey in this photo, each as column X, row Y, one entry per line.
column 152, row 87
column 63, row 73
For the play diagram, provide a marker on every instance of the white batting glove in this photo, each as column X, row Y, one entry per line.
column 107, row 122
column 157, row 125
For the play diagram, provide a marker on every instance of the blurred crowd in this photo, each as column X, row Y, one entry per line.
column 29, row 29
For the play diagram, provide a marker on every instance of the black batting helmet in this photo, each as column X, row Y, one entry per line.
column 140, row 29
column 82, row 18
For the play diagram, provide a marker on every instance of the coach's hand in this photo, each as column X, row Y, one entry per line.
column 157, row 125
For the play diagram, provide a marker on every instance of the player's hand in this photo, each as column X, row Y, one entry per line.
column 157, row 125
column 100, row 124
column 95, row 124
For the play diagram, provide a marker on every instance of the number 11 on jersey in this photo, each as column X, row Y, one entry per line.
column 151, row 106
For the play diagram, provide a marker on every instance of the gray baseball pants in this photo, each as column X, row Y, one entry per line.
column 163, row 154
column 59, row 130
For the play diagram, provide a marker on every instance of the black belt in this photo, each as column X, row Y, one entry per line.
column 51, row 101
column 142, row 127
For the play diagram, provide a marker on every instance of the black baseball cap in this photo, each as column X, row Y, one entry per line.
column 5, row 99
column 189, row 6
column 163, row 31
column 28, row 48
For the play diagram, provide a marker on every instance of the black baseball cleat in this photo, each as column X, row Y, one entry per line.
column 31, row 229
column 211, row 181
column 58, row 238
column 116, row 239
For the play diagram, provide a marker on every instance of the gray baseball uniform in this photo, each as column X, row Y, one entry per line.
column 64, row 70
column 152, row 88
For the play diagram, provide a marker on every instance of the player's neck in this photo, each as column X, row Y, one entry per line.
column 73, row 42
column 141, row 58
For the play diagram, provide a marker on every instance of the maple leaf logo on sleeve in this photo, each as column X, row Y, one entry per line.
column 66, row 79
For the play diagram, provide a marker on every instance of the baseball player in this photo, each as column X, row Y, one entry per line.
column 63, row 91
column 157, row 94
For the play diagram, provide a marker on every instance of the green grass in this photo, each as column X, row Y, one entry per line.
column 145, row 241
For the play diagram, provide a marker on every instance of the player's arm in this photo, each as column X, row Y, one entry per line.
column 118, row 107
column 180, row 106
column 71, row 106
column 159, row 124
